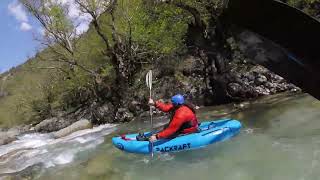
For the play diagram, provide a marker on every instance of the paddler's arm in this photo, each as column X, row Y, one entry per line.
column 161, row 106
column 173, row 127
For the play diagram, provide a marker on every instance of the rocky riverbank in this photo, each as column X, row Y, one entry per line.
column 248, row 81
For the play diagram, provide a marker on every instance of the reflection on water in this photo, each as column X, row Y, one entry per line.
column 280, row 140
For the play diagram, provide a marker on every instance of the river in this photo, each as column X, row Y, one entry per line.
column 280, row 140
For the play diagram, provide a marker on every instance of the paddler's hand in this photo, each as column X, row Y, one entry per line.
column 151, row 102
column 153, row 138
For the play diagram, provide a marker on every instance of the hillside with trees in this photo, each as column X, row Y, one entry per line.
column 100, row 74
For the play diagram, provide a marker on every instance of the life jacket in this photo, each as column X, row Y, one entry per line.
column 185, row 125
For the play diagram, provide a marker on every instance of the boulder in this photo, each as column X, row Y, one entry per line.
column 249, row 76
column 52, row 124
column 276, row 78
column 124, row 115
column 270, row 85
column 77, row 126
column 135, row 106
column 261, row 90
column 7, row 136
column 234, row 89
column 103, row 114
column 260, row 79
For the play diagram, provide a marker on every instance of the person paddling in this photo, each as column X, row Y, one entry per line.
column 183, row 118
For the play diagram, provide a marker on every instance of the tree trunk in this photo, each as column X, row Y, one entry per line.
column 217, row 57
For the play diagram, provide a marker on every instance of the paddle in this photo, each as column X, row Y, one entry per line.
column 149, row 85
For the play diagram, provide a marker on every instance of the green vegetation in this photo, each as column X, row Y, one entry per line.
column 41, row 86
column 73, row 70
column 308, row 6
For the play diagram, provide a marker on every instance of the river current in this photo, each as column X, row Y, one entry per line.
column 280, row 140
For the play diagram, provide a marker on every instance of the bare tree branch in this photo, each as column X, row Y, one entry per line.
column 84, row 6
column 61, row 35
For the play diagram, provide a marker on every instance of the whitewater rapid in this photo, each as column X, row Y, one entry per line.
column 42, row 149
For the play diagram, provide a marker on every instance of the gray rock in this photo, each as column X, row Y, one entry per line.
column 7, row 138
column 234, row 89
column 9, row 135
column 52, row 124
column 281, row 87
column 122, row 110
column 145, row 114
column 270, row 85
column 103, row 114
column 77, row 126
column 134, row 106
column 250, row 77
column 277, row 78
column 124, row 115
column 262, row 90
column 260, row 70
column 260, row 79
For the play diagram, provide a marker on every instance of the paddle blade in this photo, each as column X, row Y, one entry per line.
column 149, row 79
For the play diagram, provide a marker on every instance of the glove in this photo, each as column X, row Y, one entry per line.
column 153, row 138
column 151, row 102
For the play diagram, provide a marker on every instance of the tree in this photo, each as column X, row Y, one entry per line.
column 124, row 53
column 60, row 34
column 206, row 38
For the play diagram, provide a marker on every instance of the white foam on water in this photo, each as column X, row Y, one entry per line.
column 145, row 160
column 64, row 158
column 26, row 142
column 249, row 131
column 49, row 164
column 166, row 157
column 32, row 149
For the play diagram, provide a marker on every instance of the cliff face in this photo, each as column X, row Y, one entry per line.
column 287, row 35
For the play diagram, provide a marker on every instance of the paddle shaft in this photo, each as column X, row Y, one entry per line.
column 149, row 85
column 151, row 120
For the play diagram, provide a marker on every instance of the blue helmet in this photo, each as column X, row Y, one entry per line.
column 177, row 99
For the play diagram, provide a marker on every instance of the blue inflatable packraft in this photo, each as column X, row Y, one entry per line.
column 210, row 132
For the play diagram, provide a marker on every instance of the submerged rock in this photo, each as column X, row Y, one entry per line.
column 101, row 167
column 7, row 136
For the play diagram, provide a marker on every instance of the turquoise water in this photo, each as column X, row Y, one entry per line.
column 280, row 140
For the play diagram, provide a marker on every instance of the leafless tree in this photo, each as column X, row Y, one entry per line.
column 124, row 54
column 60, row 33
